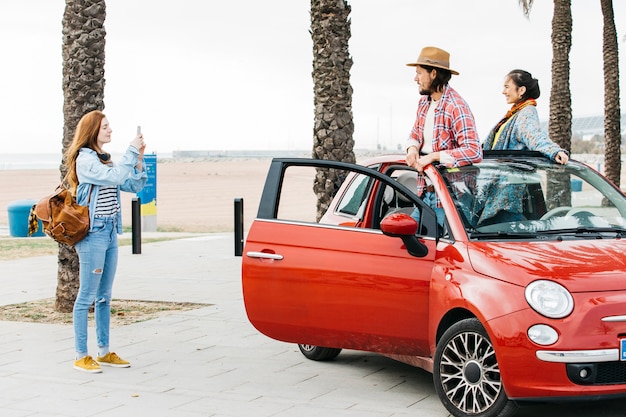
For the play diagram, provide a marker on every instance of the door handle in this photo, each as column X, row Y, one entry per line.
column 264, row 255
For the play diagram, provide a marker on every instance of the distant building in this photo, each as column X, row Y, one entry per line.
column 589, row 125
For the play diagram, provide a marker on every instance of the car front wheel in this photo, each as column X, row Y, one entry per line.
column 466, row 373
column 317, row 353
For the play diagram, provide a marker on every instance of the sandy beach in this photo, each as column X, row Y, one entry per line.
column 192, row 196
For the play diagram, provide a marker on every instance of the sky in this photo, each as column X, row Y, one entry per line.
column 236, row 75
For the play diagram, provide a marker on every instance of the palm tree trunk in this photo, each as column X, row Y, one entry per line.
column 83, row 91
column 612, row 127
column 560, row 126
column 333, row 127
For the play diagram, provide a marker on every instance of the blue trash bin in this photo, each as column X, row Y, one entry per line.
column 18, row 218
column 577, row 185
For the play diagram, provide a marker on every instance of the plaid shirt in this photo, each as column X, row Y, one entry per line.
column 454, row 132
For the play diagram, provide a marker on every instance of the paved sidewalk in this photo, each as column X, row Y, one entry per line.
column 204, row 362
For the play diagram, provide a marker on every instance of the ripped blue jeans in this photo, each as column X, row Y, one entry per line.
column 97, row 254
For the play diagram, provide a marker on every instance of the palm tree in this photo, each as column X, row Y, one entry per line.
column 560, row 125
column 526, row 6
column 333, row 126
column 612, row 113
column 83, row 91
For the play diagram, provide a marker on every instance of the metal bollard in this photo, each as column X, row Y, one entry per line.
column 238, row 226
column 136, row 225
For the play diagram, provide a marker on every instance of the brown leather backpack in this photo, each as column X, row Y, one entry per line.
column 63, row 219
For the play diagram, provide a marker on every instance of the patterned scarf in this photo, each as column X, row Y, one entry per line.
column 514, row 109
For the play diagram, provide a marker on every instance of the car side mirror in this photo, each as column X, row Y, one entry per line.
column 398, row 225
column 405, row 227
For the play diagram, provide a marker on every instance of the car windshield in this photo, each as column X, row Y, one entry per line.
column 534, row 198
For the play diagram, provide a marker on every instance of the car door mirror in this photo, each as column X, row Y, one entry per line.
column 398, row 225
column 405, row 227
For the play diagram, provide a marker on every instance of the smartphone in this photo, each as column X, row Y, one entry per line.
column 138, row 130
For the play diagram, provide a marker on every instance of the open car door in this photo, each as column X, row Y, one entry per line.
column 334, row 285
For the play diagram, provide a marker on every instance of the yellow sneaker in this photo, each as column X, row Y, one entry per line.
column 111, row 359
column 87, row 364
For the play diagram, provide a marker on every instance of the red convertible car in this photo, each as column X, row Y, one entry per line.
column 506, row 279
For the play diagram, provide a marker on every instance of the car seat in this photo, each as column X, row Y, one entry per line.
column 395, row 200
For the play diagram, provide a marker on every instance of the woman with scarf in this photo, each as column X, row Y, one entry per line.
column 519, row 128
column 501, row 202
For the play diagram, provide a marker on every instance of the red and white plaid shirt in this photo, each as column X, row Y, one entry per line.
column 454, row 132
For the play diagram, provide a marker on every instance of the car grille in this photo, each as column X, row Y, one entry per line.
column 602, row 373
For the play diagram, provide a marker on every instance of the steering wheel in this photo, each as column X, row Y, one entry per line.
column 578, row 212
column 582, row 215
column 557, row 212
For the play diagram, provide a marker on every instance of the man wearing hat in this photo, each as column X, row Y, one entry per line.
column 444, row 130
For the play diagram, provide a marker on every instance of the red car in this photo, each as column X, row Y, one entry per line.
column 506, row 280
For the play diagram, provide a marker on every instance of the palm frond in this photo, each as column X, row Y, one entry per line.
column 526, row 6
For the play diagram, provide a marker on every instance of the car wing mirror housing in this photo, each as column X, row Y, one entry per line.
column 405, row 227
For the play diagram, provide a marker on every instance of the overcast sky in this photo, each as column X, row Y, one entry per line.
column 232, row 75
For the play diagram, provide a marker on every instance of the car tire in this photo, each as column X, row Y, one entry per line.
column 317, row 353
column 466, row 373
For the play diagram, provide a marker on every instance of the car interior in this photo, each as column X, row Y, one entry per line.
column 394, row 200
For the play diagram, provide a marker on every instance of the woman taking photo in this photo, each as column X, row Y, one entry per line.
column 520, row 128
column 96, row 182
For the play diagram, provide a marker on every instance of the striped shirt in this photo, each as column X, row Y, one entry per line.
column 107, row 204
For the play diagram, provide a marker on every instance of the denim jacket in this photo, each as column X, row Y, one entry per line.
column 523, row 131
column 91, row 171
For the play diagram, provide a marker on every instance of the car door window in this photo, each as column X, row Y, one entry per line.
column 297, row 200
column 396, row 201
column 363, row 201
column 352, row 201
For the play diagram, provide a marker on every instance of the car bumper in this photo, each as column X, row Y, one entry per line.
column 585, row 361
column 578, row 356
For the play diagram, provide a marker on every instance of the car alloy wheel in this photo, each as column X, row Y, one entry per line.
column 317, row 353
column 466, row 373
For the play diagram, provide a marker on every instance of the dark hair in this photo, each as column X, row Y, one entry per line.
column 523, row 78
column 441, row 79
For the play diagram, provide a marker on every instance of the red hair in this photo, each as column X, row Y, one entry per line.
column 85, row 136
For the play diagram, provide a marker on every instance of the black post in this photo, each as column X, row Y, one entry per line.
column 238, row 226
column 136, row 226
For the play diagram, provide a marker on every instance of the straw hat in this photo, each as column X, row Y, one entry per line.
column 434, row 57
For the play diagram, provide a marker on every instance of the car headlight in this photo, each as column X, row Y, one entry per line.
column 549, row 299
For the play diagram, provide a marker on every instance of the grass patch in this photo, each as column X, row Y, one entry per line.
column 18, row 248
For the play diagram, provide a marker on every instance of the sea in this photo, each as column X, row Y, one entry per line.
column 25, row 161
column 29, row 161
column 16, row 161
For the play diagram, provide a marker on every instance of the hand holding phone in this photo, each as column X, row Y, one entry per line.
column 138, row 141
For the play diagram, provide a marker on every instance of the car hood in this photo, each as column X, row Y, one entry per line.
column 579, row 265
